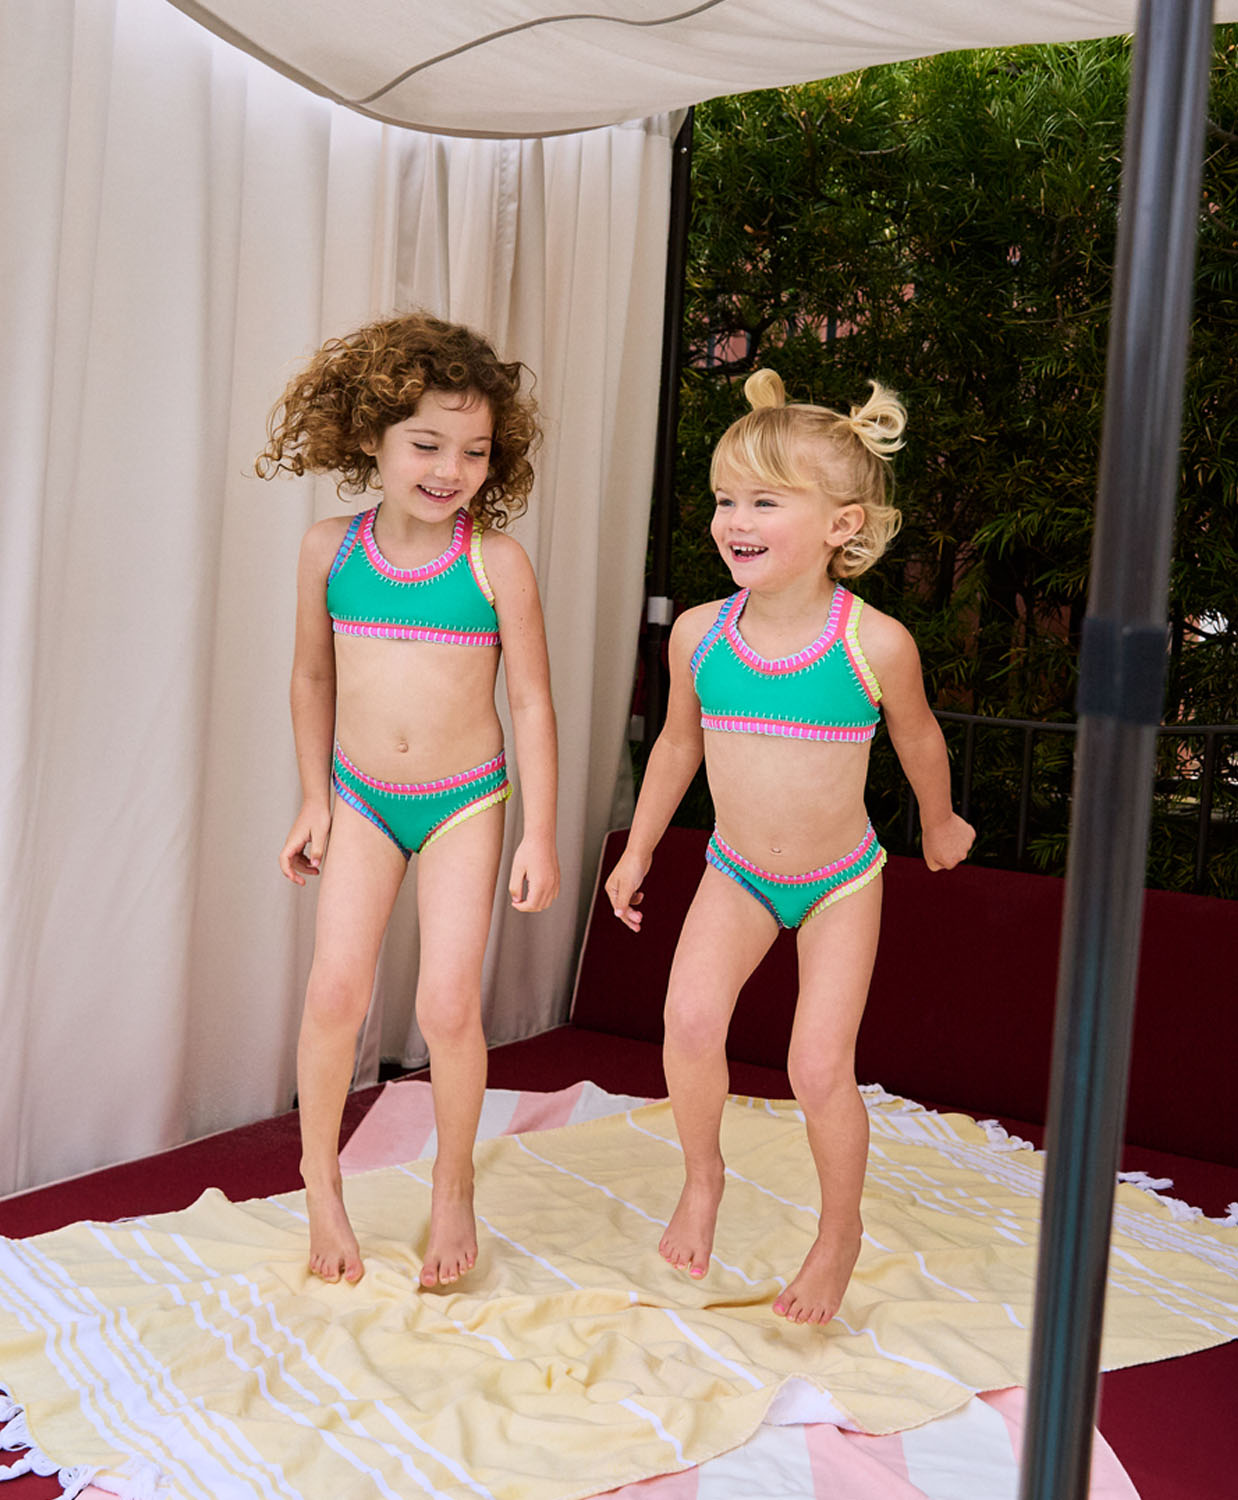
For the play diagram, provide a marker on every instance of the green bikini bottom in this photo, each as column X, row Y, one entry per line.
column 414, row 814
column 792, row 899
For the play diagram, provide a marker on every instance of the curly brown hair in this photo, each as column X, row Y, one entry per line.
column 356, row 387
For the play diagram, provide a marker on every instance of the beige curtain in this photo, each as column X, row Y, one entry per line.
column 558, row 249
column 183, row 226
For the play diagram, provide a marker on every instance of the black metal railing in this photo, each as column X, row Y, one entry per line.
column 1189, row 782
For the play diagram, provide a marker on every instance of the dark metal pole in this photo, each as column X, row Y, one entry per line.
column 1207, row 781
column 1121, row 691
column 662, row 519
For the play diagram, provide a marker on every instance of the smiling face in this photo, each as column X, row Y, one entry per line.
column 434, row 462
column 771, row 535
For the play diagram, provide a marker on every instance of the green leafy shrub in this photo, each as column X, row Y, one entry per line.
column 948, row 225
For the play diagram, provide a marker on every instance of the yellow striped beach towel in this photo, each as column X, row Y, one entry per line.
column 191, row 1351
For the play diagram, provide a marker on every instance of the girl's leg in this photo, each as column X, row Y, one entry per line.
column 836, row 952
column 455, row 894
column 361, row 876
column 725, row 935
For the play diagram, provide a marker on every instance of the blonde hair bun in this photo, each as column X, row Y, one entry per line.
column 764, row 389
column 880, row 422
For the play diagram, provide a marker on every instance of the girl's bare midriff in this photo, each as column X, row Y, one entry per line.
column 788, row 805
column 399, row 703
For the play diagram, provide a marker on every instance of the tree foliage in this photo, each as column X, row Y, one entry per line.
column 948, row 225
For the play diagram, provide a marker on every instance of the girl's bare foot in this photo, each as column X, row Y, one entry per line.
column 334, row 1251
column 452, row 1248
column 816, row 1294
column 689, row 1238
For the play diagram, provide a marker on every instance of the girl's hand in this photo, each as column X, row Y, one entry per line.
column 306, row 843
column 623, row 886
column 945, row 844
column 534, row 879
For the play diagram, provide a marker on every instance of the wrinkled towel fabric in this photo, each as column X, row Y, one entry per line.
column 192, row 1349
column 799, row 1452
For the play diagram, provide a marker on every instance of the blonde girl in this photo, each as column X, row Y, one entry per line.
column 402, row 611
column 778, row 687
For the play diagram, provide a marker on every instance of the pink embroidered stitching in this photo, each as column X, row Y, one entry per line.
column 416, row 633
column 788, row 729
column 862, row 848
column 784, row 664
column 418, row 788
column 427, row 570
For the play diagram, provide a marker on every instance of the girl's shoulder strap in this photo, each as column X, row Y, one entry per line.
column 348, row 542
column 725, row 611
column 849, row 626
column 473, row 534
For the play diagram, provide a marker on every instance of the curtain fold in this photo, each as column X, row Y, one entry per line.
column 557, row 249
column 183, row 228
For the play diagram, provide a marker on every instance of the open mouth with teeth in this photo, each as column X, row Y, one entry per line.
column 746, row 553
column 436, row 494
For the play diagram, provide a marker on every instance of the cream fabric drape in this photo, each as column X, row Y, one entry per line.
column 181, row 227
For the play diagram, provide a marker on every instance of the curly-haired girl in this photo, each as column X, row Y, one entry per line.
column 778, row 687
column 402, row 611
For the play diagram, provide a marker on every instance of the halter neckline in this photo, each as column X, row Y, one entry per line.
column 799, row 659
column 426, row 570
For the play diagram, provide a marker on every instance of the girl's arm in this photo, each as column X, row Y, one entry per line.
column 313, row 702
column 917, row 739
column 534, row 881
column 672, row 765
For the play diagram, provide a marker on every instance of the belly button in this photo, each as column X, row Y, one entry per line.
column 774, row 849
column 402, row 745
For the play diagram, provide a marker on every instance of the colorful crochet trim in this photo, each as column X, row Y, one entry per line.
column 793, row 899
column 414, row 814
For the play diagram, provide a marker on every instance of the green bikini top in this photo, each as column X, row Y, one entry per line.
column 448, row 600
column 827, row 691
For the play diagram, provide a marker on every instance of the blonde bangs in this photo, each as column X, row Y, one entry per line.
column 846, row 458
column 763, row 444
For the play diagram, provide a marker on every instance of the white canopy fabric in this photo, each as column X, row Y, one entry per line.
column 528, row 68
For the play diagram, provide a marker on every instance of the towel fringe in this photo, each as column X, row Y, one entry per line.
column 874, row 1093
column 1144, row 1180
column 73, row 1481
column 15, row 1434
column 1178, row 1209
column 137, row 1479
column 1000, row 1138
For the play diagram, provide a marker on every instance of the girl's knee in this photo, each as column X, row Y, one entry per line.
column 693, row 1029
column 448, row 1016
column 336, row 997
column 820, row 1081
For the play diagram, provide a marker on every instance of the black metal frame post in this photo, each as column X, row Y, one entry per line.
column 662, row 518
column 1121, row 691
